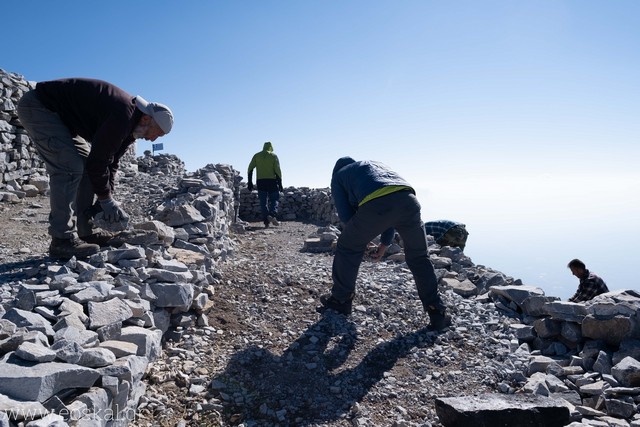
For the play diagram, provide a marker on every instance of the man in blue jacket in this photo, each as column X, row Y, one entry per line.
column 373, row 200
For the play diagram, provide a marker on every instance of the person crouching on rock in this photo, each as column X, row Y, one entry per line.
column 591, row 285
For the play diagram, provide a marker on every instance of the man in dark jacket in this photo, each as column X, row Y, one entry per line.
column 268, row 180
column 81, row 128
column 373, row 200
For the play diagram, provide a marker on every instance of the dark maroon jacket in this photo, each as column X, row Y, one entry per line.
column 102, row 114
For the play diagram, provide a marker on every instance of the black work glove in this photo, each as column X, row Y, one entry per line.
column 250, row 186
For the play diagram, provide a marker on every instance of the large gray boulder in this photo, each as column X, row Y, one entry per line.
column 491, row 410
column 41, row 381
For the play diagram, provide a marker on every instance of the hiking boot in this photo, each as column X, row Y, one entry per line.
column 68, row 248
column 266, row 224
column 273, row 220
column 330, row 302
column 99, row 237
column 439, row 319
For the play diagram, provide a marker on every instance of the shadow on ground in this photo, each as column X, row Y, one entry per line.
column 308, row 383
column 21, row 270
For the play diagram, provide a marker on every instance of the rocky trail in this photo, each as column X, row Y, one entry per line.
column 269, row 358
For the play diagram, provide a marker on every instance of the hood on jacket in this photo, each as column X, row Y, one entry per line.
column 267, row 147
column 342, row 162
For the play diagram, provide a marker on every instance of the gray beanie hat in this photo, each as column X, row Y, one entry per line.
column 160, row 113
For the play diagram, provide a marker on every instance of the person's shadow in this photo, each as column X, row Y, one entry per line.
column 305, row 384
column 21, row 270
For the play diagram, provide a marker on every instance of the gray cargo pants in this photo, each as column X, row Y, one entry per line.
column 401, row 211
column 65, row 156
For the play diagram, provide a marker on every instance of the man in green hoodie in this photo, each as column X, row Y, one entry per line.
column 269, row 182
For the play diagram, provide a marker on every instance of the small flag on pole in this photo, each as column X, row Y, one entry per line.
column 157, row 147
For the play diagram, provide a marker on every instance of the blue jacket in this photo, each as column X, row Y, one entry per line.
column 352, row 181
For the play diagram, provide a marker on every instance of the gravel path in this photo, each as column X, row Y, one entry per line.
column 268, row 358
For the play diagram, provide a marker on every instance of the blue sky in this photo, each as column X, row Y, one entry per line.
column 520, row 118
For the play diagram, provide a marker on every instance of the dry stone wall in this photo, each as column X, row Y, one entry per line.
column 296, row 204
column 19, row 161
column 76, row 338
column 83, row 333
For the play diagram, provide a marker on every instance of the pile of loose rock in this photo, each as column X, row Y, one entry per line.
column 584, row 353
column 90, row 325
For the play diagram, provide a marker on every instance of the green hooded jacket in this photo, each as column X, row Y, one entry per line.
column 268, row 174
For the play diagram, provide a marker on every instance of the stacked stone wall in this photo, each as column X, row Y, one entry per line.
column 18, row 157
column 76, row 338
column 296, row 204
